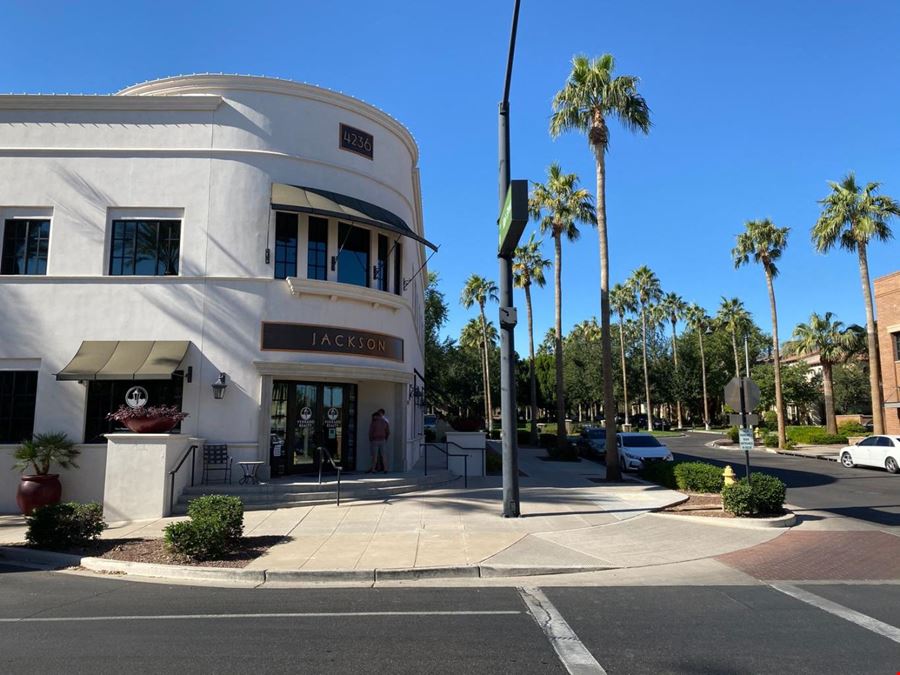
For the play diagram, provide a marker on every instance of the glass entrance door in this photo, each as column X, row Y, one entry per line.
column 309, row 415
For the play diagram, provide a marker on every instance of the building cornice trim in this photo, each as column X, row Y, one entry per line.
column 38, row 102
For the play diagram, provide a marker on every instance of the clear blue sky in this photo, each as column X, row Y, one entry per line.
column 755, row 105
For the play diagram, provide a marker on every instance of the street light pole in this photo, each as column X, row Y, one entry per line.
column 507, row 330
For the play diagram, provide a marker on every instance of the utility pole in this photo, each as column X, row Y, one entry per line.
column 507, row 329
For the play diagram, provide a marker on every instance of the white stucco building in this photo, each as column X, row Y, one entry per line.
column 191, row 226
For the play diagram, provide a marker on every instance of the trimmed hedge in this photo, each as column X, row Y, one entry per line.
column 215, row 528
column 733, row 434
column 698, row 477
column 770, row 440
column 66, row 525
column 764, row 495
column 852, row 429
column 813, row 436
column 661, row 473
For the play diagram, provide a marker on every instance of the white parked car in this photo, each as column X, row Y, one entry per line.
column 635, row 450
column 880, row 451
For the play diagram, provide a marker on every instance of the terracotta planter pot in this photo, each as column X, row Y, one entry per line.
column 150, row 425
column 35, row 491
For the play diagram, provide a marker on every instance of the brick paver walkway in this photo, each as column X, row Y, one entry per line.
column 808, row 556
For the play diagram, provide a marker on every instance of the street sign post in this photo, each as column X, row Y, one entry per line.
column 513, row 217
column 742, row 394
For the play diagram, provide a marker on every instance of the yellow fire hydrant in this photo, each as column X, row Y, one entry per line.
column 729, row 475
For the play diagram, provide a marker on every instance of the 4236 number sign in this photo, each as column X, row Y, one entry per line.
column 357, row 141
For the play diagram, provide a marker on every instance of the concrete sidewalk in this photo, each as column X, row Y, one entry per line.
column 568, row 521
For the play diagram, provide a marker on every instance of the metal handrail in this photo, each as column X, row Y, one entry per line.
column 193, row 452
column 451, row 454
column 337, row 467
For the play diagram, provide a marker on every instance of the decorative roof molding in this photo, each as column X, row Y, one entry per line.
column 35, row 102
column 191, row 84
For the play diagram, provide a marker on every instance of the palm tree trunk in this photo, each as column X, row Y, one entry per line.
column 872, row 343
column 484, row 383
column 560, row 386
column 703, row 375
column 533, row 436
column 624, row 378
column 609, row 401
column 828, row 387
column 776, row 354
column 675, row 356
column 646, row 372
column 487, row 372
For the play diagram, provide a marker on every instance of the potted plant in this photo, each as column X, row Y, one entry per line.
column 39, row 454
column 154, row 419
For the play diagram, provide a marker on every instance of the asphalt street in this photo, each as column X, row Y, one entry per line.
column 871, row 495
column 54, row 623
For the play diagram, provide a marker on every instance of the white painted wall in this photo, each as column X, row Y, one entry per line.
column 207, row 147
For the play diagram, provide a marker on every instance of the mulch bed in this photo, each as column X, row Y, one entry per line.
column 708, row 505
column 154, row 551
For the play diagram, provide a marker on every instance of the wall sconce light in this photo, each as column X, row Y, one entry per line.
column 219, row 387
column 417, row 393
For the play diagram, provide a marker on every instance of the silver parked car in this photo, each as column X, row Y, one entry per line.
column 880, row 451
column 636, row 450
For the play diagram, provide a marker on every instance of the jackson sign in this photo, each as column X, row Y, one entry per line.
column 300, row 337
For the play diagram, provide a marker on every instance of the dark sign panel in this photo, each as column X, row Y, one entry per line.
column 300, row 337
column 358, row 141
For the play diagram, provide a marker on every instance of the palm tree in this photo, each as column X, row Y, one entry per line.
column 698, row 320
column 734, row 317
column 851, row 217
column 528, row 268
column 764, row 243
column 645, row 284
column 479, row 290
column 674, row 307
column 559, row 205
column 834, row 344
column 473, row 336
column 591, row 96
column 622, row 301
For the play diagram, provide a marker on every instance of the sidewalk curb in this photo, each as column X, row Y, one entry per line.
column 51, row 560
column 785, row 521
column 792, row 453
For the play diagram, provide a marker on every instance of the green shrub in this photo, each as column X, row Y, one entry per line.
column 733, row 434
column 768, row 493
column 67, row 525
column 770, row 440
column 215, row 528
column 227, row 510
column 770, row 419
column 493, row 462
column 523, row 437
column 698, row 477
column 568, row 452
column 738, row 498
column 852, row 429
column 547, row 440
column 813, row 436
column 661, row 473
column 763, row 496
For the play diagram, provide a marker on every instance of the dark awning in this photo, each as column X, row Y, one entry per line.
column 125, row 360
column 323, row 203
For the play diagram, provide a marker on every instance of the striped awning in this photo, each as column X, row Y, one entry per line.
column 125, row 360
column 298, row 199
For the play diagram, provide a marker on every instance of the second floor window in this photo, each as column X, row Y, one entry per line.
column 317, row 251
column 18, row 394
column 285, row 245
column 145, row 247
column 353, row 255
column 381, row 266
column 25, row 244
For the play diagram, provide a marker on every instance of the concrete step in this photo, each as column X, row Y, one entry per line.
column 271, row 495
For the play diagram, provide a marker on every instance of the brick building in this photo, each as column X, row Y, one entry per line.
column 887, row 309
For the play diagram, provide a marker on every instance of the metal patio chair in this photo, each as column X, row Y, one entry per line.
column 216, row 458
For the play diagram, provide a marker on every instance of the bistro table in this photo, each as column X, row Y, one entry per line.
column 249, row 469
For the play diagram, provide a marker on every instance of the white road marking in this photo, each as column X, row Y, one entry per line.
column 573, row 654
column 280, row 615
column 860, row 619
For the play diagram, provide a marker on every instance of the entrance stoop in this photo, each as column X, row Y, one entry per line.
column 303, row 490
